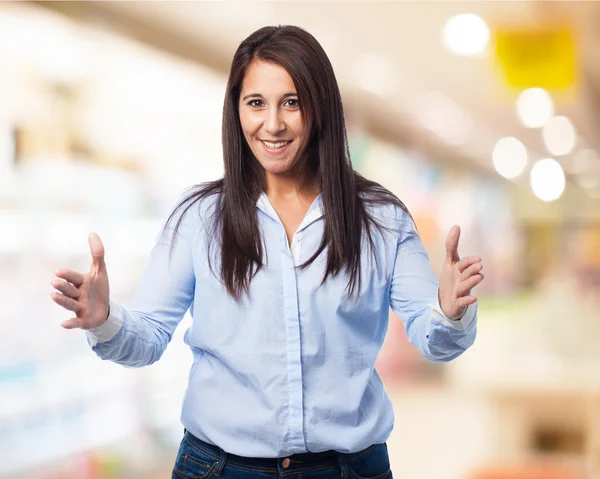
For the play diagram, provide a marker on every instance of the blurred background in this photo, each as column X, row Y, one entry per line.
column 476, row 113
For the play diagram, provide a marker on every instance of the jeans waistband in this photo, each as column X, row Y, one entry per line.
column 305, row 460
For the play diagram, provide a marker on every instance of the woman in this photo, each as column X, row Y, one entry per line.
column 289, row 265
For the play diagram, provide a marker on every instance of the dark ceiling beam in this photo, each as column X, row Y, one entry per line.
column 102, row 14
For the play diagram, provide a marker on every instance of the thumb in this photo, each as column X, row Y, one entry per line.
column 452, row 245
column 97, row 250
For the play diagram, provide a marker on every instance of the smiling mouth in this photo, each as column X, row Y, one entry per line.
column 275, row 145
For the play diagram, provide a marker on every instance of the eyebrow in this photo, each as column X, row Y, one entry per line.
column 258, row 95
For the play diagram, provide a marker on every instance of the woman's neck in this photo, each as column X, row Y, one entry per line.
column 286, row 186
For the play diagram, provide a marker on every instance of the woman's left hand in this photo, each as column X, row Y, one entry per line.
column 457, row 278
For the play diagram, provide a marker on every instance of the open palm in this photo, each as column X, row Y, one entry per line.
column 85, row 294
column 457, row 278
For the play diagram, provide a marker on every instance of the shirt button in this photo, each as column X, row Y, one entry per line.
column 286, row 463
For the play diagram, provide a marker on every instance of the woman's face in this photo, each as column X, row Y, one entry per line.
column 270, row 117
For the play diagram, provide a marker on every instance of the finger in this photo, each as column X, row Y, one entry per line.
column 73, row 277
column 466, row 262
column 470, row 271
column 465, row 287
column 465, row 301
column 66, row 302
column 66, row 288
column 452, row 245
column 97, row 250
column 72, row 323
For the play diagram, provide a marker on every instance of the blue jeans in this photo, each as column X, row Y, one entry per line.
column 197, row 459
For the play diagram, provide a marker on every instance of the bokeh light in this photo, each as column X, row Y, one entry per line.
column 559, row 135
column 466, row 34
column 509, row 157
column 535, row 107
column 547, row 179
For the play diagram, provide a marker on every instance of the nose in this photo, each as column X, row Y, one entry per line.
column 274, row 123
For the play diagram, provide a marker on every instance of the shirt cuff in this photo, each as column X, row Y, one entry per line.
column 459, row 324
column 110, row 327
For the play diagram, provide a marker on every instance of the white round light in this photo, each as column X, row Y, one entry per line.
column 535, row 107
column 465, row 34
column 547, row 179
column 509, row 157
column 559, row 135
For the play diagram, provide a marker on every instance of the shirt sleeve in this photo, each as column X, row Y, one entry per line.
column 107, row 330
column 414, row 299
column 137, row 334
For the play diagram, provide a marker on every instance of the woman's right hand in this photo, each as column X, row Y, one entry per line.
column 87, row 295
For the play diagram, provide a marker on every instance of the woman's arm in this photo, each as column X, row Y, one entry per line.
column 414, row 299
column 137, row 334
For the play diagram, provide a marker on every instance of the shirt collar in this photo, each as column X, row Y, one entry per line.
column 315, row 211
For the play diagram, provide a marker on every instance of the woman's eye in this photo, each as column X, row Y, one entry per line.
column 255, row 103
column 293, row 102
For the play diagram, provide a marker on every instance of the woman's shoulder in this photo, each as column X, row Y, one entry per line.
column 195, row 206
column 204, row 197
column 385, row 207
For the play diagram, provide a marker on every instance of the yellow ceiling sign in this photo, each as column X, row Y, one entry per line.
column 537, row 58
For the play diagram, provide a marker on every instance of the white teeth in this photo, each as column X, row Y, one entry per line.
column 279, row 144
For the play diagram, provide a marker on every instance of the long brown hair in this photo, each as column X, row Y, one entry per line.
column 345, row 193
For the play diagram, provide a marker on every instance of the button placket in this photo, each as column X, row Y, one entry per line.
column 295, row 397
column 296, row 244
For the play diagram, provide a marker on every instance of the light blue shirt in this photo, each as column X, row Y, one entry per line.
column 291, row 368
